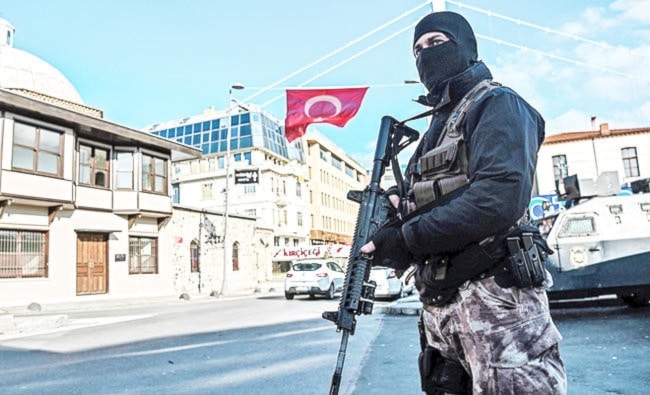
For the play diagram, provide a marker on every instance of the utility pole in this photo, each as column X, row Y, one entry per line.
column 199, row 249
column 227, row 187
column 438, row 5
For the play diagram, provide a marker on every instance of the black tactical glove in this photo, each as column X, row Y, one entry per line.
column 390, row 248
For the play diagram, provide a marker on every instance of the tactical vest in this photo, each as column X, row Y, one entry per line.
column 444, row 169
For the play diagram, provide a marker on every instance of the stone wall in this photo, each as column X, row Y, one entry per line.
column 254, row 253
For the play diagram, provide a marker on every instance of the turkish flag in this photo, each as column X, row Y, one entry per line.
column 335, row 106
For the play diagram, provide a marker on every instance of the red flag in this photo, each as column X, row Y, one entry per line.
column 335, row 106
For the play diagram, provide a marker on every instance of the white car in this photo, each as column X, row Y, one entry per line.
column 389, row 285
column 314, row 277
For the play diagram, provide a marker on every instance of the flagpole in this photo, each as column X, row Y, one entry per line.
column 227, row 188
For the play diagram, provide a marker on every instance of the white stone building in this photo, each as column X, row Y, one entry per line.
column 599, row 161
column 86, row 207
column 588, row 154
column 83, row 201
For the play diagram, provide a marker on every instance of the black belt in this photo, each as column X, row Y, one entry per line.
column 501, row 275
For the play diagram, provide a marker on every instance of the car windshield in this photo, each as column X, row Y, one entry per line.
column 307, row 266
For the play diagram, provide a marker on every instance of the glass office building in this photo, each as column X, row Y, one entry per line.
column 276, row 195
column 249, row 128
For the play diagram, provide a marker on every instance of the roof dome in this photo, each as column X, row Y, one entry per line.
column 22, row 70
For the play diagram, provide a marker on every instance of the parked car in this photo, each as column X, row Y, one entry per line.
column 389, row 285
column 314, row 277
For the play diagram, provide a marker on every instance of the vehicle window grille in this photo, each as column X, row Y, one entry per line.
column 578, row 226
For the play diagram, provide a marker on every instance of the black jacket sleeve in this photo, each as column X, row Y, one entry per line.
column 503, row 135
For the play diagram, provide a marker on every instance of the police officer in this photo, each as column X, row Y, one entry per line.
column 483, row 332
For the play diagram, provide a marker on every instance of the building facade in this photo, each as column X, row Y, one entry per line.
column 298, row 191
column 626, row 152
column 86, row 205
column 83, row 204
column 247, row 169
column 198, row 252
column 602, row 161
column 332, row 173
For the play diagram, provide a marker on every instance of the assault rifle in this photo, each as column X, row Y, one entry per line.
column 374, row 211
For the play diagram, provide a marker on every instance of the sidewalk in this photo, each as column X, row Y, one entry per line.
column 51, row 314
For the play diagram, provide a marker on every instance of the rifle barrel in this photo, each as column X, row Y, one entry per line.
column 340, row 360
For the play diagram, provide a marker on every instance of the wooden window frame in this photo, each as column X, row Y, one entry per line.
column 93, row 168
column 235, row 256
column 119, row 171
column 194, row 257
column 150, row 174
column 630, row 162
column 36, row 149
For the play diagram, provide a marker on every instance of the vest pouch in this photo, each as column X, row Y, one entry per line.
column 427, row 191
column 442, row 170
column 450, row 184
column 448, row 159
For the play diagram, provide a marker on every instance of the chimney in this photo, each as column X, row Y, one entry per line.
column 604, row 129
column 593, row 123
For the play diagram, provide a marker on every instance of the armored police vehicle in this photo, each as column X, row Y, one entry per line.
column 601, row 242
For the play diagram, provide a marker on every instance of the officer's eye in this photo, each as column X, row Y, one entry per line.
column 431, row 42
column 435, row 41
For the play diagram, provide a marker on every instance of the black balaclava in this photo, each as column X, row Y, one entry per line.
column 439, row 63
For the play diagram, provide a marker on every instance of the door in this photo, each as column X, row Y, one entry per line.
column 92, row 263
column 579, row 243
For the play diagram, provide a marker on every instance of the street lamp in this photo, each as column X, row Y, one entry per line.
column 235, row 86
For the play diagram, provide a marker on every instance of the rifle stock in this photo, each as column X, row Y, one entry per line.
column 374, row 210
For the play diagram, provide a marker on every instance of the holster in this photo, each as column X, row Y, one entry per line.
column 438, row 279
column 440, row 375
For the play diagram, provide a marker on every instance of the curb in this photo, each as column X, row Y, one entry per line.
column 410, row 305
column 11, row 325
column 403, row 309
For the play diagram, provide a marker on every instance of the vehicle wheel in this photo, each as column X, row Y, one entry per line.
column 330, row 292
column 636, row 299
column 312, row 296
column 288, row 295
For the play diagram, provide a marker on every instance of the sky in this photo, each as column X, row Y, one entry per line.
column 148, row 61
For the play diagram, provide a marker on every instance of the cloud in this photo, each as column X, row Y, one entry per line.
column 591, row 19
column 633, row 10
column 591, row 76
column 570, row 121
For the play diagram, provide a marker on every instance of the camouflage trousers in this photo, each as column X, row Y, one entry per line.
column 504, row 337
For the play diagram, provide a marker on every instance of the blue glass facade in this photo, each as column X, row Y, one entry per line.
column 247, row 130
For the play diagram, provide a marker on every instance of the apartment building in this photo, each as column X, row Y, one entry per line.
column 332, row 173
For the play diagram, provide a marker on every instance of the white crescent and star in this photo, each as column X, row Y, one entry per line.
column 323, row 98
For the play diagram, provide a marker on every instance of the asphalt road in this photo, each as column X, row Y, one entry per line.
column 267, row 345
